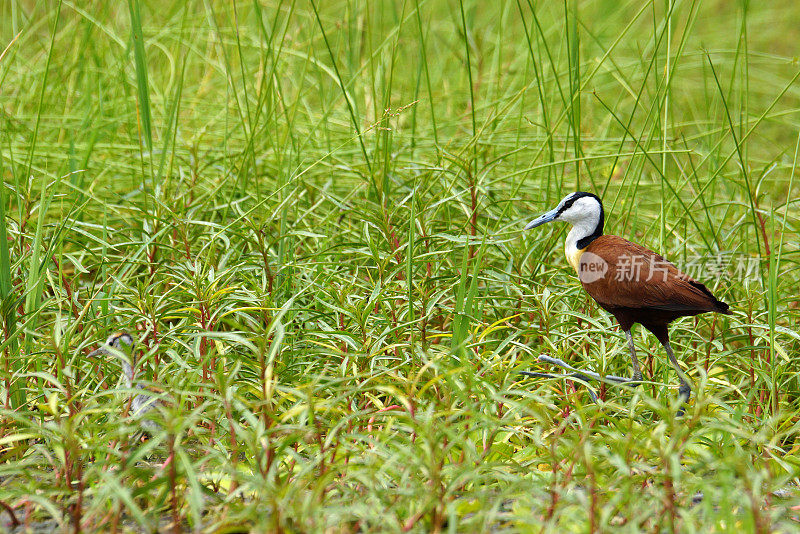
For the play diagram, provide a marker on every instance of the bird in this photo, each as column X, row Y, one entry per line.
column 121, row 345
column 629, row 281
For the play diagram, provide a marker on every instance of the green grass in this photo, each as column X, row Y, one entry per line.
column 309, row 214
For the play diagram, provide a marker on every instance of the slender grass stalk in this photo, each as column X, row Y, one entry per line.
column 424, row 62
column 474, row 163
column 143, row 105
column 36, row 265
column 142, row 85
column 15, row 393
column 540, row 91
column 346, row 96
column 573, row 61
column 173, row 116
column 738, row 146
column 412, row 221
column 665, row 119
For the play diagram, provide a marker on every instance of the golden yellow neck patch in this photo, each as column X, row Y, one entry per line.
column 574, row 258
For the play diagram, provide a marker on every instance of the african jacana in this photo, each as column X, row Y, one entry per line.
column 120, row 345
column 634, row 284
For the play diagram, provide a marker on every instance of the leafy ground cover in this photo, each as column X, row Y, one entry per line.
column 309, row 215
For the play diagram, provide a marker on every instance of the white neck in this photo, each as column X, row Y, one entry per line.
column 128, row 374
column 579, row 230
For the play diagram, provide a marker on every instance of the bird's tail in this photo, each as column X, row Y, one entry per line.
column 717, row 305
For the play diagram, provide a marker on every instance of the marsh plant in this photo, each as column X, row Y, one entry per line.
column 308, row 215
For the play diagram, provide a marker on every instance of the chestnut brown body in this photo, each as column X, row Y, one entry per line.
column 642, row 287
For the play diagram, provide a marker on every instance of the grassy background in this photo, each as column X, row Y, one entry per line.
column 309, row 215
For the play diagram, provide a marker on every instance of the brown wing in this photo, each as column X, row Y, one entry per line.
column 636, row 277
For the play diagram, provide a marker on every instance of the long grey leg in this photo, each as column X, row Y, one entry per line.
column 685, row 389
column 637, row 373
column 583, row 377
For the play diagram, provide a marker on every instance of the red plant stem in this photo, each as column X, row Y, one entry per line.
column 263, row 364
column 73, row 469
column 763, row 232
column 269, row 453
column 151, row 258
column 593, row 526
column 341, row 328
column 79, row 504
column 413, row 520
column 413, row 412
column 173, row 476
column 8, row 371
column 14, row 520
column 234, row 444
column 323, row 468
column 261, row 235
column 755, row 410
column 75, row 508
column 551, row 508
column 204, row 342
column 68, row 289
column 669, row 496
column 156, row 342
column 473, row 193
column 163, row 466
column 395, row 244
column 386, row 409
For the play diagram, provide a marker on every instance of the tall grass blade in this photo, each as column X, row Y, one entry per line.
column 140, row 60
column 36, row 266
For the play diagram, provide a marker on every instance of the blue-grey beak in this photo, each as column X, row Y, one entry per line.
column 97, row 353
column 542, row 219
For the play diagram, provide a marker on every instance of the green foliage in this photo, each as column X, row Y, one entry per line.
column 309, row 216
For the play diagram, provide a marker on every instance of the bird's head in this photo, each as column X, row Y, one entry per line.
column 119, row 345
column 120, row 342
column 578, row 209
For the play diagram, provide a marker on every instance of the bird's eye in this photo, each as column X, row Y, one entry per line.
column 120, row 336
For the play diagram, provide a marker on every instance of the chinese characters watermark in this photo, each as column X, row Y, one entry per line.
column 652, row 268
